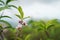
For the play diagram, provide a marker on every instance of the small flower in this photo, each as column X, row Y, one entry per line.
column 20, row 22
column 24, row 24
column 19, row 27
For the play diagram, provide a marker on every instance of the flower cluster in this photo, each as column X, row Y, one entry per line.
column 20, row 24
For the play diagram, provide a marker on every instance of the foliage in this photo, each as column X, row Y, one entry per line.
column 2, row 27
column 6, row 5
column 34, row 31
column 21, row 14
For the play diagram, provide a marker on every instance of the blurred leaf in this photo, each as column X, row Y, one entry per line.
column 50, row 26
column 21, row 11
column 5, row 17
column 2, row 2
column 30, row 22
column 12, row 6
column 18, row 16
column 10, row 34
column 26, row 17
column 42, row 24
column 2, row 8
column 6, row 6
column 27, row 37
column 6, row 23
column 8, row 1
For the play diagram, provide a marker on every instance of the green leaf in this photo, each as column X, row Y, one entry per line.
column 2, row 8
column 9, row 25
column 18, row 16
column 8, row 1
column 12, row 6
column 43, row 24
column 50, row 26
column 2, row 2
column 26, row 17
column 28, row 36
column 5, row 17
column 21, row 11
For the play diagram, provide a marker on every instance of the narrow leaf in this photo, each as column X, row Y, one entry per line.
column 2, row 8
column 26, row 17
column 28, row 37
column 2, row 2
column 50, row 26
column 5, row 17
column 18, row 16
column 6, row 23
column 43, row 24
column 12, row 6
column 21, row 11
column 8, row 1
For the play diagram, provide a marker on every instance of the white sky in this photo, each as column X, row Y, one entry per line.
column 41, row 8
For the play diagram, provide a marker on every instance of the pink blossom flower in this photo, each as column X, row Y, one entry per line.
column 19, row 26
